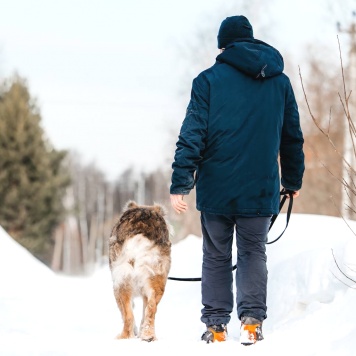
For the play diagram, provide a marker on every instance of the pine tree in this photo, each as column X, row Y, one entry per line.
column 32, row 178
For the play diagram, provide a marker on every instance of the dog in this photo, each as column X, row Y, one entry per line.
column 140, row 260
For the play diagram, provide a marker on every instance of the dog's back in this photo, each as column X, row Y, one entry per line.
column 140, row 259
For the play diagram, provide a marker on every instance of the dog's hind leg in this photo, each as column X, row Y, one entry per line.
column 123, row 296
column 153, row 294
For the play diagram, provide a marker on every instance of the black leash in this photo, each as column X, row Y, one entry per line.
column 285, row 193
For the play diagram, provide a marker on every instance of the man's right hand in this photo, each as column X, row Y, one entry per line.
column 295, row 194
column 178, row 204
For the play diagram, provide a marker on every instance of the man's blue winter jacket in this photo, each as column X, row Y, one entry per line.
column 242, row 118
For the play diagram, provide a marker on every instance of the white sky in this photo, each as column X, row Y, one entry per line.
column 107, row 73
column 310, row 311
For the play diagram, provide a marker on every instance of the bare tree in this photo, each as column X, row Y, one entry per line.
column 317, row 185
column 81, row 239
column 347, row 181
column 347, row 178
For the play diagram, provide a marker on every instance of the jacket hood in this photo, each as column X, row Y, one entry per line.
column 253, row 57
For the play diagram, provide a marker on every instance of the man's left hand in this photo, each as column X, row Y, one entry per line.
column 178, row 204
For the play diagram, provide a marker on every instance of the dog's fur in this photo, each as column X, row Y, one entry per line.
column 140, row 260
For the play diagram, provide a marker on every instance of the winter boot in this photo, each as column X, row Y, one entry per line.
column 215, row 333
column 251, row 331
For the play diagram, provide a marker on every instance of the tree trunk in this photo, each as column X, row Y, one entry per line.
column 56, row 264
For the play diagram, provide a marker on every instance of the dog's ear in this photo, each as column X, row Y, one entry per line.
column 160, row 209
column 130, row 204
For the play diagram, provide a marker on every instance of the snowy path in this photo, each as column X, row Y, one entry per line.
column 310, row 311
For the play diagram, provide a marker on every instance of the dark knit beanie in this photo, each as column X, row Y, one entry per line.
column 233, row 28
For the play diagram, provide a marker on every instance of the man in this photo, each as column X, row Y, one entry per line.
column 241, row 116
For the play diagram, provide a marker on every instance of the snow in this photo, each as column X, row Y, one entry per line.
column 310, row 309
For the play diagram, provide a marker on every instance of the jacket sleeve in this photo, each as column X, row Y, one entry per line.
column 291, row 148
column 191, row 140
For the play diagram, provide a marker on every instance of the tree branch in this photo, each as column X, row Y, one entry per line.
column 344, row 274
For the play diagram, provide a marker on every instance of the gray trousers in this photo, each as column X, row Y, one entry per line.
column 251, row 272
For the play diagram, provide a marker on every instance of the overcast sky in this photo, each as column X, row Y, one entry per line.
column 106, row 74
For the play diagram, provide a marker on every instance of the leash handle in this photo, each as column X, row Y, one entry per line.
column 285, row 194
